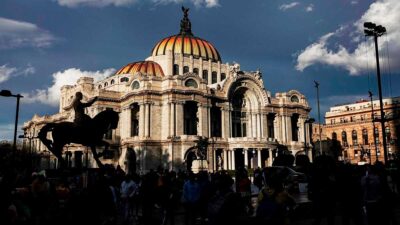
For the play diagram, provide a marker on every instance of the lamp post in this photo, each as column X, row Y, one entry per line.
column 376, row 31
column 373, row 125
column 319, row 118
column 7, row 93
column 309, row 121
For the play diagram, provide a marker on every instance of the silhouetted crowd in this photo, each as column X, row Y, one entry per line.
column 338, row 193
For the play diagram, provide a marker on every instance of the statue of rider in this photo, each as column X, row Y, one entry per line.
column 81, row 119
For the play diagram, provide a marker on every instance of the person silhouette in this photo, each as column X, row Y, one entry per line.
column 81, row 119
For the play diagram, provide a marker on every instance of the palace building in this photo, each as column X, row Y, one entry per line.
column 356, row 128
column 181, row 93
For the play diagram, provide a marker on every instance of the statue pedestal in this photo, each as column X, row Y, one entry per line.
column 199, row 165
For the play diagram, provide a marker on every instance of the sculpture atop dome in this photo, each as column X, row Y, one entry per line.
column 186, row 25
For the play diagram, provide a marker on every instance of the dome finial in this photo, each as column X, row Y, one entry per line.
column 186, row 26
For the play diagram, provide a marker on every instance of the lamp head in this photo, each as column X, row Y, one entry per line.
column 5, row 93
column 369, row 25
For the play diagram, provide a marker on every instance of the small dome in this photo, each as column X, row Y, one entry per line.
column 150, row 68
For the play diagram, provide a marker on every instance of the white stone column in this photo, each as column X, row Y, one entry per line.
column 142, row 120
column 262, row 125
column 259, row 126
column 270, row 158
column 256, row 125
column 259, row 157
column 172, row 119
column 200, row 113
column 148, row 124
column 214, row 167
column 223, row 123
column 208, row 120
column 277, row 128
column 246, row 158
column 289, row 128
column 233, row 160
column 179, row 118
column 250, row 125
column 225, row 155
column 301, row 129
column 127, row 126
column 219, row 72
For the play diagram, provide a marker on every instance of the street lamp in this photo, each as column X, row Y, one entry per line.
column 319, row 118
column 376, row 31
column 7, row 93
column 373, row 125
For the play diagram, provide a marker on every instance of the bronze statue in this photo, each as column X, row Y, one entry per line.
column 84, row 130
column 186, row 26
column 81, row 119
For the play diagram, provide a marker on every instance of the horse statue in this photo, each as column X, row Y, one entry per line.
column 90, row 135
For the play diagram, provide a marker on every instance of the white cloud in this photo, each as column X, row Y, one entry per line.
column 14, row 33
column 51, row 95
column 205, row 3
column 354, row 2
column 310, row 8
column 285, row 7
column 95, row 3
column 7, row 72
column 384, row 12
column 120, row 3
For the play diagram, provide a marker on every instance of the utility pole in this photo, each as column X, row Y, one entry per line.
column 372, row 29
column 319, row 118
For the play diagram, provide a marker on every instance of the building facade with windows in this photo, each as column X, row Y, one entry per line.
column 356, row 127
column 183, row 92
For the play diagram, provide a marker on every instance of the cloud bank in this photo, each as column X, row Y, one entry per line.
column 362, row 56
column 51, row 95
column 14, row 34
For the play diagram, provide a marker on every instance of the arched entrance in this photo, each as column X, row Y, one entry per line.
column 190, row 156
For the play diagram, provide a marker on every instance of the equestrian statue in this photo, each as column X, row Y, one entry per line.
column 84, row 130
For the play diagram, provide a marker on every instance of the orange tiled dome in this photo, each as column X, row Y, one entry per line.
column 187, row 44
column 146, row 67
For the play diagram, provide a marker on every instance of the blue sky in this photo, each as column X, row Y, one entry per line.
column 47, row 43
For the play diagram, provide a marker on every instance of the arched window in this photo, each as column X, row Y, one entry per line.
column 190, row 118
column 191, row 83
column 354, row 137
column 134, row 119
column 196, row 71
column 365, row 136
column 387, row 133
column 334, row 136
column 223, row 76
column 135, row 85
column 185, row 69
column 294, row 98
column 205, row 75
column 176, row 69
column 105, row 84
column 99, row 86
column 376, row 135
column 112, row 81
column 214, row 78
column 344, row 138
column 124, row 79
